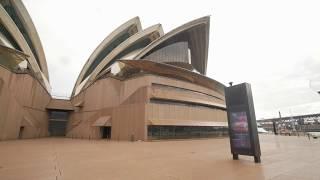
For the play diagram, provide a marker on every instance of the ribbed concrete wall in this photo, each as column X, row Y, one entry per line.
column 128, row 105
column 23, row 101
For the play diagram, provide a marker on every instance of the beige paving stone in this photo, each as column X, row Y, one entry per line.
column 283, row 157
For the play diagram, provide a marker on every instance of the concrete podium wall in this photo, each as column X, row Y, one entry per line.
column 129, row 106
column 23, row 102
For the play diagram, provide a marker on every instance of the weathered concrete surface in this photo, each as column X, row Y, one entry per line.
column 283, row 157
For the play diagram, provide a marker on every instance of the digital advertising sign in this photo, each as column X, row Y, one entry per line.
column 239, row 126
column 243, row 133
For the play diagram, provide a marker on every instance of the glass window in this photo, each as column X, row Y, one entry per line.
column 61, row 115
column 181, row 132
column 176, row 52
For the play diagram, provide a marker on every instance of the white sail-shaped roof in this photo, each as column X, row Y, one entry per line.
column 21, row 43
column 132, row 45
column 115, row 38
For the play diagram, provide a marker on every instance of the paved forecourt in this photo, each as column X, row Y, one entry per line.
column 283, row 157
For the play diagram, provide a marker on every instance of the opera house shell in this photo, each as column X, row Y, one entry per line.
column 138, row 84
column 24, row 79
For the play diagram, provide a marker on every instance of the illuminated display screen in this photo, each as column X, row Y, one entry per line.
column 239, row 125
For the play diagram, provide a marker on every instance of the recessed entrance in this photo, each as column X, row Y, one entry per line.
column 58, row 122
column 21, row 132
column 106, row 132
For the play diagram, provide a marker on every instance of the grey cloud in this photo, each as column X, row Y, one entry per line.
column 64, row 60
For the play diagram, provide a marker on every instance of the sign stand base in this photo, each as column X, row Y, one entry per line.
column 257, row 159
column 235, row 156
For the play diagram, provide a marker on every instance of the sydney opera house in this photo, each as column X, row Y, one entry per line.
column 138, row 84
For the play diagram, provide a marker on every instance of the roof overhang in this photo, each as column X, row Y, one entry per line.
column 128, row 67
column 103, row 121
column 14, row 57
column 60, row 104
column 26, row 121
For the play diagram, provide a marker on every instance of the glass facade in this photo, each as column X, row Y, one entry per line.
column 176, row 52
column 183, row 132
column 58, row 122
column 59, row 115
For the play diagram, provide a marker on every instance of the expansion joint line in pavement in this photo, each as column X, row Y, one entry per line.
column 57, row 169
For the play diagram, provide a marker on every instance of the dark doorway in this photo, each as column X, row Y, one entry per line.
column 21, row 132
column 58, row 122
column 106, row 132
column 57, row 127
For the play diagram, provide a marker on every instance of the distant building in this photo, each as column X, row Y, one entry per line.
column 139, row 84
column 304, row 123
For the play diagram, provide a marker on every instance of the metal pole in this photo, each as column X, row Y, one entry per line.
column 274, row 127
column 280, row 120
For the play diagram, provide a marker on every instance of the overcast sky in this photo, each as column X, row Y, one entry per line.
column 274, row 44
